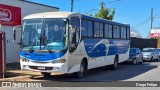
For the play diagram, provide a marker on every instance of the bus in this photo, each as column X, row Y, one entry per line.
column 68, row 42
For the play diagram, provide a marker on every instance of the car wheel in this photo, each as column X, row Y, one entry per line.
column 45, row 74
column 141, row 62
column 135, row 61
column 83, row 70
column 158, row 59
column 151, row 59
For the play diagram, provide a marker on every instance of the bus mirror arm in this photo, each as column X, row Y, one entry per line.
column 70, row 34
column 71, row 48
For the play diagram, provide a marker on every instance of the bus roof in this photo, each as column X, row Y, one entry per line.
column 51, row 15
column 104, row 21
column 69, row 14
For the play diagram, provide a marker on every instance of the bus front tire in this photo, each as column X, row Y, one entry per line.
column 45, row 74
column 83, row 70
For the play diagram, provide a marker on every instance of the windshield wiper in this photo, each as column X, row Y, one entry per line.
column 49, row 50
column 31, row 50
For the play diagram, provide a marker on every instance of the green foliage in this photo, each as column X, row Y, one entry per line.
column 91, row 14
column 105, row 13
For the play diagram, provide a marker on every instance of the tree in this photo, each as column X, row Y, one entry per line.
column 105, row 13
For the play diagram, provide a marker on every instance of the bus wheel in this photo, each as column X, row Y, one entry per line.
column 45, row 74
column 114, row 66
column 83, row 70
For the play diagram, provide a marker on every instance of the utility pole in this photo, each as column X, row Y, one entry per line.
column 151, row 18
column 72, row 4
column 102, row 4
column 151, row 21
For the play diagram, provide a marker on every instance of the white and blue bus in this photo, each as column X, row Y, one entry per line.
column 66, row 42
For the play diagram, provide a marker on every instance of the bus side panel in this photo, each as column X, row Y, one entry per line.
column 99, row 52
column 75, row 58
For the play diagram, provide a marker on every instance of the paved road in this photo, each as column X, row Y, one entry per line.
column 149, row 71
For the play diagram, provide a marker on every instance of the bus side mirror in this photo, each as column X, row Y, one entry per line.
column 17, row 33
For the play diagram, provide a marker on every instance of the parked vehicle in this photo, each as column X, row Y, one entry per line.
column 58, row 44
column 158, row 51
column 150, row 54
column 135, row 56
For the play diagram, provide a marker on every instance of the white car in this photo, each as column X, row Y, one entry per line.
column 150, row 54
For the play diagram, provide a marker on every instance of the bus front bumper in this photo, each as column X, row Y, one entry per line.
column 45, row 67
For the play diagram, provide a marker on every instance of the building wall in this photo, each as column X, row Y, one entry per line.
column 12, row 49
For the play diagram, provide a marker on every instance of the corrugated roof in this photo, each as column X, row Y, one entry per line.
column 39, row 4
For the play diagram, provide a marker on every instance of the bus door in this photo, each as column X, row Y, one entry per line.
column 74, row 33
column 74, row 40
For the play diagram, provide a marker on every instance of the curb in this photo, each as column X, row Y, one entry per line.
column 18, row 78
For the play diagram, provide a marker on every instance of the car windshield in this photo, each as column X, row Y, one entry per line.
column 147, row 50
column 132, row 50
column 44, row 34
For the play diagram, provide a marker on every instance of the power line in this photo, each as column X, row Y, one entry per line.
column 142, row 23
column 112, row 1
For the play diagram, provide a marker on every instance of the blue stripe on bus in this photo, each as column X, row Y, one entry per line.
column 38, row 56
column 103, row 49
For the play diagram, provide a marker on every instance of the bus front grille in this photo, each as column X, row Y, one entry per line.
column 36, row 68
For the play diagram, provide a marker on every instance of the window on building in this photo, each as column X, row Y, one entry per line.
column 96, row 29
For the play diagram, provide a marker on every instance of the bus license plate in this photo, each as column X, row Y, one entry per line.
column 41, row 67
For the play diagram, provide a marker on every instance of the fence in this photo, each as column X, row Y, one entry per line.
column 143, row 43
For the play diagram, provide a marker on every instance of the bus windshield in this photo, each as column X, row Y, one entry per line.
column 50, row 31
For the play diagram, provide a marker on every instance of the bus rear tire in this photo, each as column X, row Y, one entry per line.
column 114, row 66
column 83, row 70
column 45, row 74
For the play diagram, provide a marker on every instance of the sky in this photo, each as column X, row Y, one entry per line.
column 134, row 12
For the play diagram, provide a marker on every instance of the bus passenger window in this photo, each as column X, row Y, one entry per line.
column 128, row 33
column 96, row 29
column 84, row 28
column 90, row 29
column 116, row 32
column 106, row 31
column 75, row 23
column 123, row 32
column 110, row 31
column 101, row 29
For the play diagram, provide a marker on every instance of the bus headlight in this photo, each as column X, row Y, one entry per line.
column 59, row 61
column 24, row 60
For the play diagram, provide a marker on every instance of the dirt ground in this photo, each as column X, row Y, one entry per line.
column 13, row 72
